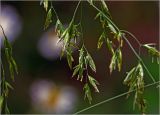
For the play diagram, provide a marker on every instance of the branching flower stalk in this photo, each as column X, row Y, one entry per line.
column 104, row 19
column 69, row 37
column 121, row 34
column 85, row 61
column 12, row 66
column 113, row 37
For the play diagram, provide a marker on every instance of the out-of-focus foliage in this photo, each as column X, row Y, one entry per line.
column 13, row 69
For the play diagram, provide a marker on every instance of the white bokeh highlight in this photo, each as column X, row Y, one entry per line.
column 46, row 97
column 11, row 22
column 48, row 46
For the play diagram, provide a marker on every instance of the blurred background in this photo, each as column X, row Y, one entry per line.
column 44, row 83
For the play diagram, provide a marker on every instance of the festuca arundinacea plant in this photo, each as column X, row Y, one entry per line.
column 69, row 36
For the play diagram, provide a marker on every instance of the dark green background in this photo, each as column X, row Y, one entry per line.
column 139, row 17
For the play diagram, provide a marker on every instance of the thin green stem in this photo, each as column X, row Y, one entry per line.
column 75, row 11
column 81, row 17
column 113, row 98
column 54, row 11
column 105, row 5
column 3, row 32
column 139, row 43
column 105, row 17
column 139, row 51
column 139, row 58
column 129, row 33
column 2, row 79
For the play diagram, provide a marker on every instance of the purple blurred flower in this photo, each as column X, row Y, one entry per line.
column 48, row 46
column 11, row 22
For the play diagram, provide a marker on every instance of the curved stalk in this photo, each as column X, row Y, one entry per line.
column 139, row 58
column 129, row 33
